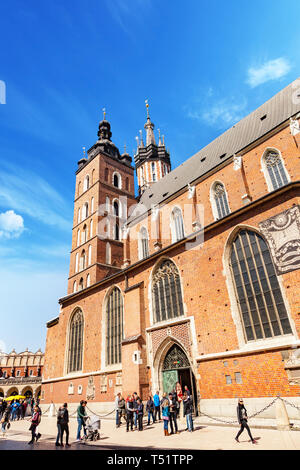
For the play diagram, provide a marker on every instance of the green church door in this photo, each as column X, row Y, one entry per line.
column 170, row 378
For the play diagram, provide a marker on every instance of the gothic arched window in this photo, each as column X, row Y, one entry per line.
column 219, row 200
column 259, row 297
column 166, row 292
column 177, row 225
column 86, row 183
column 117, row 180
column 114, row 327
column 75, row 342
column 276, row 171
column 143, row 243
column 82, row 260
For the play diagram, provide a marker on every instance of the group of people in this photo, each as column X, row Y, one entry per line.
column 165, row 408
column 17, row 409
column 14, row 410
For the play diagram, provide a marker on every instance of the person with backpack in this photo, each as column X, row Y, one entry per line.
column 166, row 415
column 62, row 425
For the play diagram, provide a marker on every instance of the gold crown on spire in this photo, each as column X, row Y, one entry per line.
column 104, row 113
column 147, row 106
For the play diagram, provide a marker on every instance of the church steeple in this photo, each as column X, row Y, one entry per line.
column 149, row 126
column 152, row 160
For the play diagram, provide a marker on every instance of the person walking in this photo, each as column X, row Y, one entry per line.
column 117, row 399
column 156, row 401
column 173, row 413
column 150, row 409
column 187, row 411
column 166, row 416
column 140, row 413
column 58, row 421
column 14, row 408
column 5, row 418
column 81, row 415
column 122, row 410
column 243, row 421
column 64, row 425
column 35, row 420
column 129, row 412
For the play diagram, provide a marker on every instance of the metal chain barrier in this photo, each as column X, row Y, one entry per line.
column 289, row 403
column 99, row 416
column 249, row 417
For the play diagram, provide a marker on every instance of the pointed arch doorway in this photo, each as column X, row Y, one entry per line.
column 176, row 368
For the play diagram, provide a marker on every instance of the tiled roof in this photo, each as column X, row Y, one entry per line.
column 258, row 123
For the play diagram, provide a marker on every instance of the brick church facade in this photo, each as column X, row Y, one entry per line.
column 195, row 280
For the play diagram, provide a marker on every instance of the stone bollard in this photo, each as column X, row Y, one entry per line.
column 282, row 419
column 52, row 410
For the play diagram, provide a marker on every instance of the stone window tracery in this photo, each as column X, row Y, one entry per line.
column 261, row 305
column 75, row 342
column 166, row 292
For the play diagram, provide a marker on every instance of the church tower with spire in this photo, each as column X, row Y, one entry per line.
column 103, row 195
column 152, row 160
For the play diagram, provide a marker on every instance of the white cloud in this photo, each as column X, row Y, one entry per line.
column 26, row 192
column 271, row 70
column 221, row 113
column 11, row 224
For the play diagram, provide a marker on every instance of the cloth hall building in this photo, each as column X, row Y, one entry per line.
column 196, row 279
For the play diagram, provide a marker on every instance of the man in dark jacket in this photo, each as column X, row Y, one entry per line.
column 64, row 425
column 188, row 410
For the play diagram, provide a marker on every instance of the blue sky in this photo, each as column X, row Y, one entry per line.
column 202, row 66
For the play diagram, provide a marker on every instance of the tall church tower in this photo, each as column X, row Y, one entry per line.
column 104, row 192
column 152, row 161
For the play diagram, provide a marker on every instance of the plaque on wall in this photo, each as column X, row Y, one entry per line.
column 90, row 392
column 282, row 232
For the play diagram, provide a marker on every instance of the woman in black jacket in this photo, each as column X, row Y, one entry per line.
column 242, row 419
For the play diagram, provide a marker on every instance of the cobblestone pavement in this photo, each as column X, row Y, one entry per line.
column 152, row 437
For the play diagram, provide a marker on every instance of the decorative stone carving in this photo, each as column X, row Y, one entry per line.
column 191, row 190
column 292, row 364
column 90, row 391
column 294, row 126
column 237, row 162
column 283, row 234
column 155, row 212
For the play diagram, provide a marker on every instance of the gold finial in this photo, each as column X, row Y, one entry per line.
column 83, row 148
column 104, row 113
column 147, row 106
